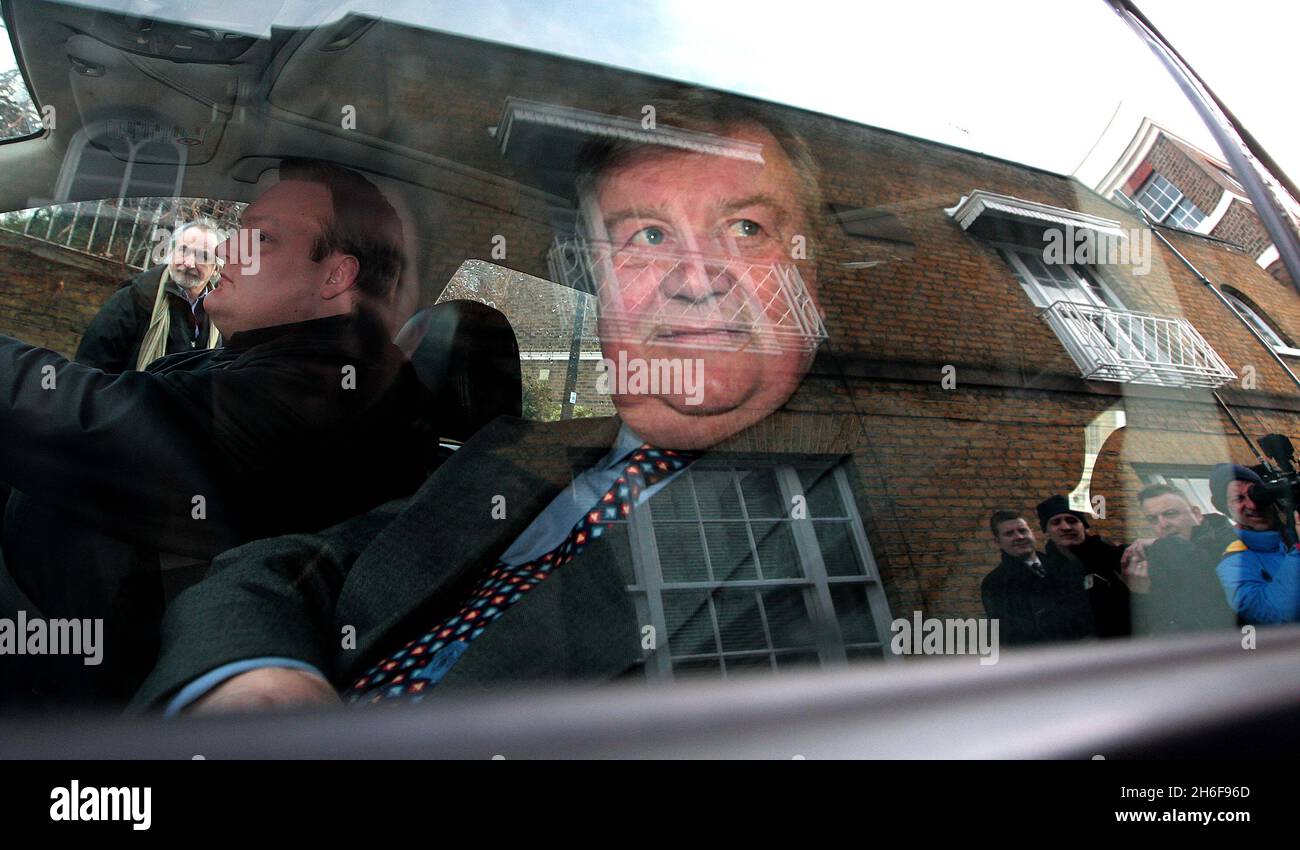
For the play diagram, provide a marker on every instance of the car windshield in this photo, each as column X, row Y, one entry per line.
column 372, row 352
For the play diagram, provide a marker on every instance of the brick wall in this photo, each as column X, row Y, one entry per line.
column 1241, row 226
column 929, row 463
column 1168, row 160
column 50, row 294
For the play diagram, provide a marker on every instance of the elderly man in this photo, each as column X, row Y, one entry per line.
column 513, row 562
column 1260, row 571
column 159, row 311
column 126, row 484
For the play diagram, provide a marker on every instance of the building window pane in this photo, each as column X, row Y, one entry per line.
column 775, row 588
column 1256, row 321
column 1186, row 215
column 1158, row 197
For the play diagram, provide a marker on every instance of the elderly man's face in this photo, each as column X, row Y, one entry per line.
column 193, row 260
column 697, row 242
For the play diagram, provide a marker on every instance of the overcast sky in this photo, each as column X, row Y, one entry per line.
column 1030, row 81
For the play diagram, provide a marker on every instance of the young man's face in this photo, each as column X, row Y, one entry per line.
column 1066, row 530
column 284, row 285
column 1244, row 511
column 1016, row 538
column 193, row 259
column 695, row 244
column 1171, row 516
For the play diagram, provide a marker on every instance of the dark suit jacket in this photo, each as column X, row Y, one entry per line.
column 105, row 468
column 1032, row 609
column 393, row 572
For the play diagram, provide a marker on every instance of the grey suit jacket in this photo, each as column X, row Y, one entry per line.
column 388, row 575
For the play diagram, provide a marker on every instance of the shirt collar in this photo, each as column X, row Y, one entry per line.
column 625, row 443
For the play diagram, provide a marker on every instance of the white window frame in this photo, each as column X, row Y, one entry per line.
column 1108, row 299
column 1178, row 476
column 1165, row 188
column 649, row 586
column 1257, row 322
column 1098, row 291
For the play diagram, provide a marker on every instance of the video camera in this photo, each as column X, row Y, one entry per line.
column 1281, row 487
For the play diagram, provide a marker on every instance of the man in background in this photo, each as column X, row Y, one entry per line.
column 1260, row 571
column 1172, row 576
column 125, row 485
column 1031, row 603
column 159, row 311
column 1074, row 546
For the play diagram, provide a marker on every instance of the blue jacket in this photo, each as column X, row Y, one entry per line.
column 1261, row 578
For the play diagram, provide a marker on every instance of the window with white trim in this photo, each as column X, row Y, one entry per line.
column 1260, row 324
column 1113, row 342
column 1186, row 215
column 735, row 579
column 1193, row 481
column 1165, row 202
column 1047, row 283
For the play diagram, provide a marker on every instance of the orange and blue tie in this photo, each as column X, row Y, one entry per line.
column 417, row 667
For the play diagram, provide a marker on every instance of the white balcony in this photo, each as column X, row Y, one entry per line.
column 1136, row 348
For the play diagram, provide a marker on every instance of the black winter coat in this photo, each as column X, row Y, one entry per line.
column 1099, row 561
column 1037, row 609
column 112, row 339
column 286, row 429
column 1186, row 594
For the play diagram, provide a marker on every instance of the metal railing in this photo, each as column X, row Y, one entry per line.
column 670, row 295
column 128, row 231
column 1136, row 348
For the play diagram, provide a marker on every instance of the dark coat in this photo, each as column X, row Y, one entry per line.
column 1037, row 609
column 112, row 339
column 1186, row 594
column 393, row 572
column 1099, row 561
column 115, row 475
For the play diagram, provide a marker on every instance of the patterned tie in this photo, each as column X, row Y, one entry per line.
column 410, row 672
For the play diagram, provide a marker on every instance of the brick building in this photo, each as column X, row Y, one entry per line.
column 962, row 372
column 1184, row 186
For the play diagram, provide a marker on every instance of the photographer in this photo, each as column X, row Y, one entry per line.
column 1172, row 574
column 1260, row 571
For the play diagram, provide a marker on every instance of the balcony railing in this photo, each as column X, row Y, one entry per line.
column 1136, row 348
column 128, row 231
column 642, row 292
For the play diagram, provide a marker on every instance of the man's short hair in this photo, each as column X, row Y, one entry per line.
column 1153, row 490
column 705, row 112
column 364, row 224
column 1000, row 517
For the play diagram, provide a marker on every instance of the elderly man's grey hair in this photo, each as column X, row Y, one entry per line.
column 704, row 112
